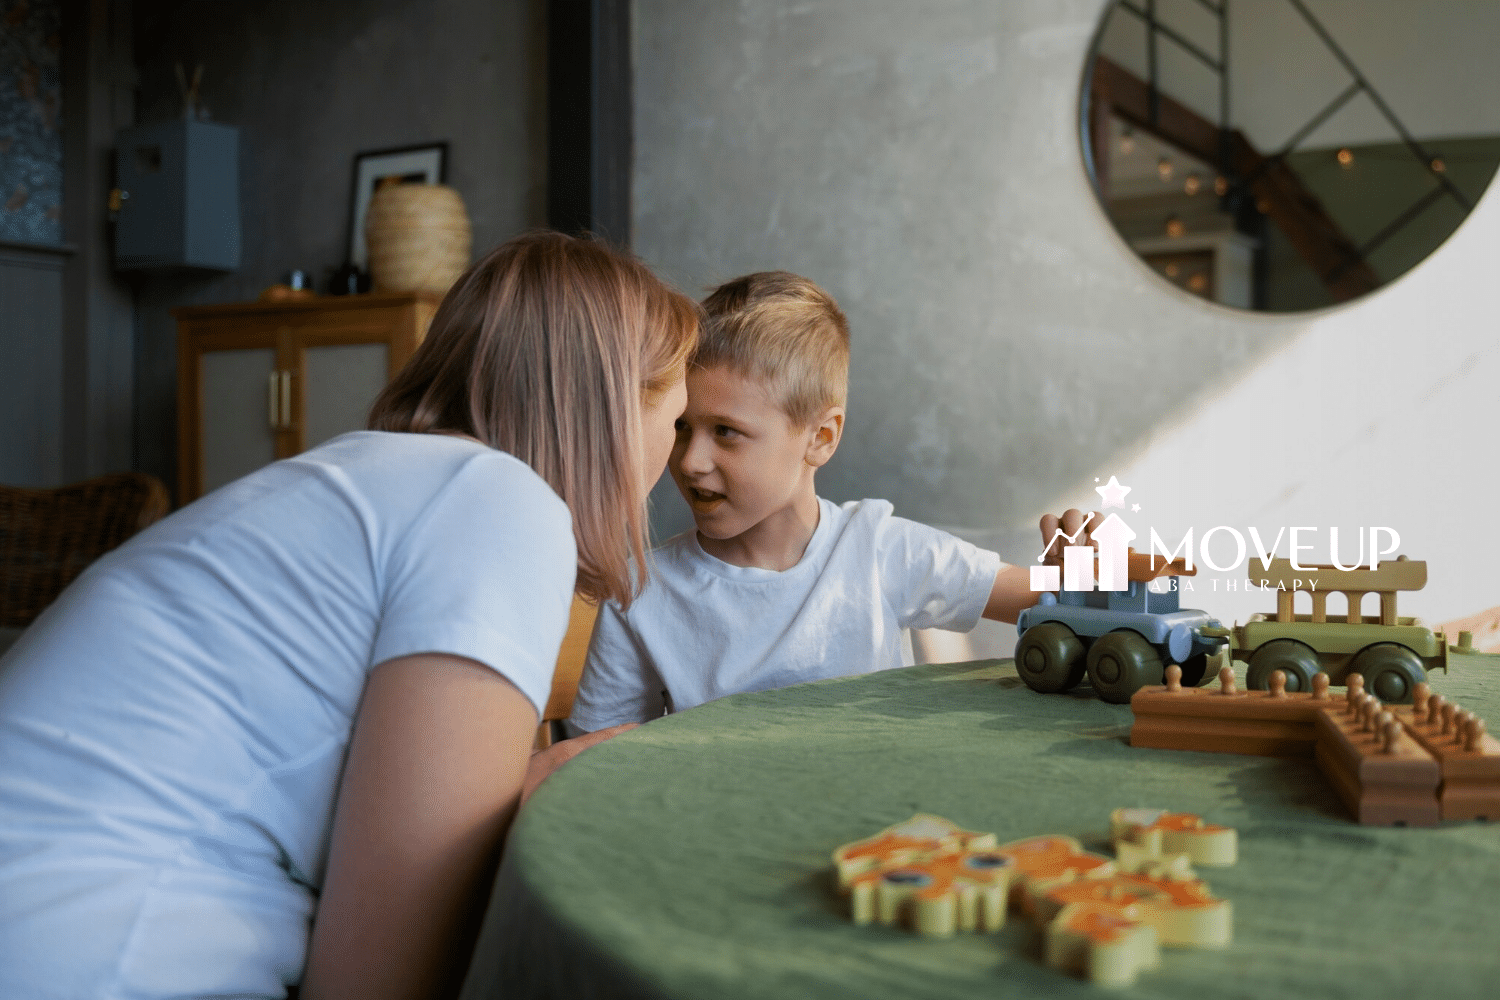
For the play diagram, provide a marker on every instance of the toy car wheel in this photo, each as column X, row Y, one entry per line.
column 1120, row 664
column 1295, row 659
column 1391, row 671
column 1049, row 658
column 1195, row 672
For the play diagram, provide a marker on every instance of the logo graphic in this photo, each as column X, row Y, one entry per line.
column 1104, row 561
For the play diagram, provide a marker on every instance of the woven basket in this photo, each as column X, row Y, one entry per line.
column 418, row 238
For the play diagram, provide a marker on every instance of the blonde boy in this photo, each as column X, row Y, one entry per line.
column 776, row 586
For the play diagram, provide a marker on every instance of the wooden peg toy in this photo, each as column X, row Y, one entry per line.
column 1277, row 684
column 1419, row 695
column 1461, row 719
column 1435, row 709
column 1226, row 681
column 1474, row 736
column 1174, row 678
column 1390, row 730
column 1355, row 686
column 1320, row 686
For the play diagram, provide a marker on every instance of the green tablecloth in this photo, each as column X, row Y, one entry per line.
column 690, row 857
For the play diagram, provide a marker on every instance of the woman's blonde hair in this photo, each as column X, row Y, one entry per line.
column 548, row 348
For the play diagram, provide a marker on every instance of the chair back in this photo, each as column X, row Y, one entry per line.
column 575, row 647
column 48, row 536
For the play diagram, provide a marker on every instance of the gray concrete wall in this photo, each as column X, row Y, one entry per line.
column 311, row 85
column 922, row 161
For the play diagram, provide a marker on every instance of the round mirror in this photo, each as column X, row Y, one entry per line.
column 1286, row 155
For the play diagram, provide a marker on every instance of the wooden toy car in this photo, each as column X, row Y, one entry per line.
column 1393, row 653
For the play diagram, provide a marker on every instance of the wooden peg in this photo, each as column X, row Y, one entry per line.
column 1449, row 710
column 1226, row 680
column 1461, row 720
column 1419, row 696
column 1474, row 737
column 1278, row 684
column 1354, row 690
column 1174, row 678
column 1388, row 733
column 1435, row 709
column 1320, row 686
column 1381, row 720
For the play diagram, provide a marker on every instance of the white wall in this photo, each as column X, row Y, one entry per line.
column 922, row 161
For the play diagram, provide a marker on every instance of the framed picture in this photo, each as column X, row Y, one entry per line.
column 424, row 164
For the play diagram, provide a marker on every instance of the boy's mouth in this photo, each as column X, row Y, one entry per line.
column 704, row 499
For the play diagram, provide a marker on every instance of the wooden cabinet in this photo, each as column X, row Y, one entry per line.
column 259, row 381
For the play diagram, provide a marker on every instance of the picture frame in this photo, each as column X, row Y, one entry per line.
column 425, row 163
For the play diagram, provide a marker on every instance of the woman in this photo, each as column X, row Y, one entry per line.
column 318, row 687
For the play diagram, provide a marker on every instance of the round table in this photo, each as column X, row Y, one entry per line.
column 690, row 858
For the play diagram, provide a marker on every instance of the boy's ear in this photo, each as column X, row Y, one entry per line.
column 827, row 431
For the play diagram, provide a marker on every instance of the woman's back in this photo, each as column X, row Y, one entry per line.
column 175, row 726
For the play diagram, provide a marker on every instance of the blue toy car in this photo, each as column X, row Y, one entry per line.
column 1123, row 639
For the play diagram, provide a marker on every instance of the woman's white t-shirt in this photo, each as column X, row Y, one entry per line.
column 173, row 728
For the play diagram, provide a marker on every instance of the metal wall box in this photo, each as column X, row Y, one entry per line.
column 179, row 203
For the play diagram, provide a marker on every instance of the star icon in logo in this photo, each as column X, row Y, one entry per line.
column 1113, row 493
column 1135, row 508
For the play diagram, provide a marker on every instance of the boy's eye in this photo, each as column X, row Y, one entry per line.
column 679, row 425
column 724, row 431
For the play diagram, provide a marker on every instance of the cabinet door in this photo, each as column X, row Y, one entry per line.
column 339, row 361
column 239, row 403
column 339, row 383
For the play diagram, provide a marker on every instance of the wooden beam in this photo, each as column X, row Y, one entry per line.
column 1278, row 191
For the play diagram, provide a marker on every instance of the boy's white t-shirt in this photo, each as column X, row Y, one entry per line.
column 173, row 728
column 703, row 628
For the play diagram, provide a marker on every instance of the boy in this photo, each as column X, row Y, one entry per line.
column 776, row 586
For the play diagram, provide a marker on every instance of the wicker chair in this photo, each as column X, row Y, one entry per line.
column 48, row 536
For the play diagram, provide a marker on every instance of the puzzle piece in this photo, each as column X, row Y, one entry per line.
column 1143, row 834
column 1103, row 942
column 1182, row 911
column 1100, row 922
column 929, row 874
column 1044, row 861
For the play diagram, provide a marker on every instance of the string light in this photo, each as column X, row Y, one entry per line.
column 1164, row 168
column 1198, row 282
column 1175, row 227
column 1127, row 141
column 1173, row 270
column 1438, row 166
column 1221, row 185
column 1191, row 184
column 1345, row 156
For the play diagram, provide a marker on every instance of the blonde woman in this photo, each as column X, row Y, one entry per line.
column 286, row 728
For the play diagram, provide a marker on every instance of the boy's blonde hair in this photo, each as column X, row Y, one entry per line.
column 783, row 331
column 547, row 348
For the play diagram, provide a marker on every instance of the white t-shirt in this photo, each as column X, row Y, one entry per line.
column 703, row 629
column 173, row 728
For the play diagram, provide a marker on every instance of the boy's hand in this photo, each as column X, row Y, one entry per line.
column 1071, row 521
column 544, row 762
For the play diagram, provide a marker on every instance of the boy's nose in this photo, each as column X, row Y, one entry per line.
column 693, row 454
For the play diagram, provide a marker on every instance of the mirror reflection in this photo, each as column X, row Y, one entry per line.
column 1288, row 155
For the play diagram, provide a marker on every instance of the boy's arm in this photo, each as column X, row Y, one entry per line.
column 619, row 684
column 1011, row 594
